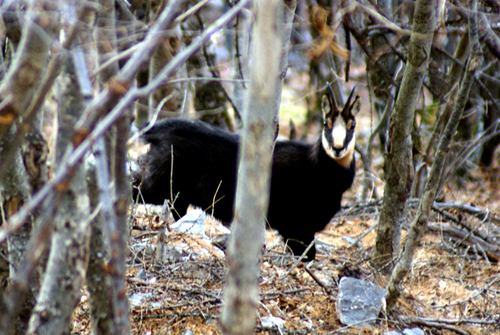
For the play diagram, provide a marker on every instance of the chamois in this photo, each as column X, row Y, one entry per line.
column 307, row 180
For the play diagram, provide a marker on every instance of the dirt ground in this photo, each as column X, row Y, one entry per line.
column 453, row 287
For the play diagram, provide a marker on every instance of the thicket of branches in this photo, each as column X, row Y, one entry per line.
column 75, row 75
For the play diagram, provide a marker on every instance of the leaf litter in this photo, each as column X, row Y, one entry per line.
column 452, row 288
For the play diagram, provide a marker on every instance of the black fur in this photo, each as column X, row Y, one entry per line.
column 306, row 184
column 204, row 158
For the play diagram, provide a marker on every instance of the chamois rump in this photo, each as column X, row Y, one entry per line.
column 307, row 180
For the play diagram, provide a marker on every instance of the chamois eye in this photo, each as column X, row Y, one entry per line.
column 351, row 124
column 328, row 123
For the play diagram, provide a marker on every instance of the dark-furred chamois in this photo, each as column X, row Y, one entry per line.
column 307, row 180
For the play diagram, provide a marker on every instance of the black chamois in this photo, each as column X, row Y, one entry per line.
column 307, row 181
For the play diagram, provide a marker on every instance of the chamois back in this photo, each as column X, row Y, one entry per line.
column 204, row 161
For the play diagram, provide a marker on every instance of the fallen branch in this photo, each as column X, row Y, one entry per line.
column 467, row 239
column 480, row 213
column 434, row 324
column 317, row 280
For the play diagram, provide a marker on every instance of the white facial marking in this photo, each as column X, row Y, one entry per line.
column 339, row 132
column 344, row 157
column 326, row 146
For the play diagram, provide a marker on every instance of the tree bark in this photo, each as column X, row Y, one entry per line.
column 68, row 256
column 432, row 186
column 21, row 162
column 29, row 64
column 210, row 100
column 98, row 281
column 106, row 317
column 398, row 165
column 253, row 186
column 119, row 245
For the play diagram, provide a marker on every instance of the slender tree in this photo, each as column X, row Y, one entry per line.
column 433, row 183
column 398, row 165
column 68, row 257
column 253, row 186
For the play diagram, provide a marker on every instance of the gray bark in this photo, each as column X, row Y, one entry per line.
column 253, row 186
column 20, row 82
column 432, row 186
column 105, row 318
column 68, row 256
column 98, row 282
column 119, row 238
column 210, row 101
column 493, row 115
column 398, row 165
column 168, row 98
column 285, row 32
column 13, row 193
column 22, row 165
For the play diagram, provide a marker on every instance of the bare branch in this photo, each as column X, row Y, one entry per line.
column 77, row 153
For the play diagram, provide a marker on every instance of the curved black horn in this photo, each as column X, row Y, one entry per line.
column 334, row 103
column 348, row 102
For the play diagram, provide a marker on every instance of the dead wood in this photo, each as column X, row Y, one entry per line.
column 466, row 239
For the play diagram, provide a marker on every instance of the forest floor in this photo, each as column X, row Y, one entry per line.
column 453, row 287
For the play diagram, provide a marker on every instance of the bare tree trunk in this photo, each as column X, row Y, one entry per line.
column 170, row 97
column 493, row 115
column 19, row 161
column 210, row 97
column 119, row 245
column 68, row 257
column 432, row 186
column 98, row 281
column 285, row 33
column 104, row 319
column 254, row 172
column 398, row 166
column 13, row 193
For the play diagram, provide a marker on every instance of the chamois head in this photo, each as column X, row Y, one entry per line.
column 338, row 137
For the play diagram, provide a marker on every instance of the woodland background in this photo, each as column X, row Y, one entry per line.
column 80, row 78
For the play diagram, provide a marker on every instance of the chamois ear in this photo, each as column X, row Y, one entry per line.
column 328, row 105
column 355, row 107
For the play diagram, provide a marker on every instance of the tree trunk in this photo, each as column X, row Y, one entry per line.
column 432, row 186
column 254, row 173
column 21, row 160
column 103, row 314
column 210, row 97
column 68, row 257
column 398, row 165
